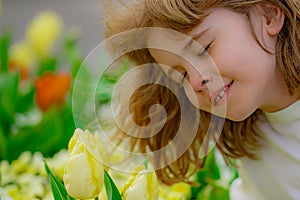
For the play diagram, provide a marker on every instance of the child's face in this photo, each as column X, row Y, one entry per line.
column 245, row 77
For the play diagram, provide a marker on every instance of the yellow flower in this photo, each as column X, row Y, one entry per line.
column 102, row 195
column 119, row 178
column 43, row 31
column 58, row 163
column 142, row 185
column 84, row 174
column 22, row 163
column 178, row 191
column 22, row 55
column 22, row 179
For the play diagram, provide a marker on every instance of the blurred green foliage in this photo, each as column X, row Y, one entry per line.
column 19, row 131
column 214, row 179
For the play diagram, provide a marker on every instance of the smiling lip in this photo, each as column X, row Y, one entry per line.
column 217, row 96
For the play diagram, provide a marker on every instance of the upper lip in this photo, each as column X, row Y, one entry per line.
column 217, row 92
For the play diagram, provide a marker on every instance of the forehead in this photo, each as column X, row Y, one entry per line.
column 166, row 40
column 219, row 21
column 174, row 41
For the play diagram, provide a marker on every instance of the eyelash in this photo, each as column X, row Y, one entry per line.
column 203, row 52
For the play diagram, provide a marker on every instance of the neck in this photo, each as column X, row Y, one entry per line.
column 281, row 102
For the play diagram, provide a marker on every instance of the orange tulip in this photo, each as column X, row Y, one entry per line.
column 51, row 89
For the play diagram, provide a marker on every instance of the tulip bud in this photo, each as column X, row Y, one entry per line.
column 22, row 55
column 142, row 185
column 83, row 177
column 43, row 32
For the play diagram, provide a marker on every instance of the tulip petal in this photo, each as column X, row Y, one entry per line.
column 83, row 175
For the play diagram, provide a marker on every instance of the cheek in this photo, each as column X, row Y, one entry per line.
column 197, row 99
column 193, row 98
column 228, row 56
column 243, row 61
column 235, row 50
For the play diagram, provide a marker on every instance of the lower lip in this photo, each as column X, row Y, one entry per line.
column 226, row 94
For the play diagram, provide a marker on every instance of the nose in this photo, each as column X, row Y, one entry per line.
column 199, row 81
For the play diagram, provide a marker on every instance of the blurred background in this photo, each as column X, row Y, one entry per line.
column 42, row 45
column 81, row 14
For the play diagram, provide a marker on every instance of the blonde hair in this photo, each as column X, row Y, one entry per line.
column 237, row 139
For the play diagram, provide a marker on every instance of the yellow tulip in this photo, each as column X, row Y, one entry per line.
column 142, row 185
column 178, row 191
column 84, row 174
column 43, row 32
column 23, row 55
column 102, row 195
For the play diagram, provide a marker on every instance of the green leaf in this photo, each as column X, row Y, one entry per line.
column 12, row 100
column 8, row 95
column 104, row 91
column 25, row 100
column 50, row 135
column 3, row 145
column 107, row 83
column 112, row 191
column 205, row 193
column 4, row 45
column 207, row 176
column 219, row 193
column 213, row 193
column 47, row 64
column 210, row 170
column 58, row 189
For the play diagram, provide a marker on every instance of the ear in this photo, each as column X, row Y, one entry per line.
column 273, row 19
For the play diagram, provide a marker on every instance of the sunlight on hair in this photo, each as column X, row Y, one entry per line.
column 135, row 84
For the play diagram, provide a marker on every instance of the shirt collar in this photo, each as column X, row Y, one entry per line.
column 289, row 114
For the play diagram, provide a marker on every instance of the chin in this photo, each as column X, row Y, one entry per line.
column 238, row 116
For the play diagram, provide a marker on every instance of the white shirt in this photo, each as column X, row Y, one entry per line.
column 276, row 175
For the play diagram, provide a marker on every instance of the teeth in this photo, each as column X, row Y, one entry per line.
column 217, row 99
column 221, row 95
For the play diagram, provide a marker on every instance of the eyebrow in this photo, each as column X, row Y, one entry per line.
column 195, row 37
